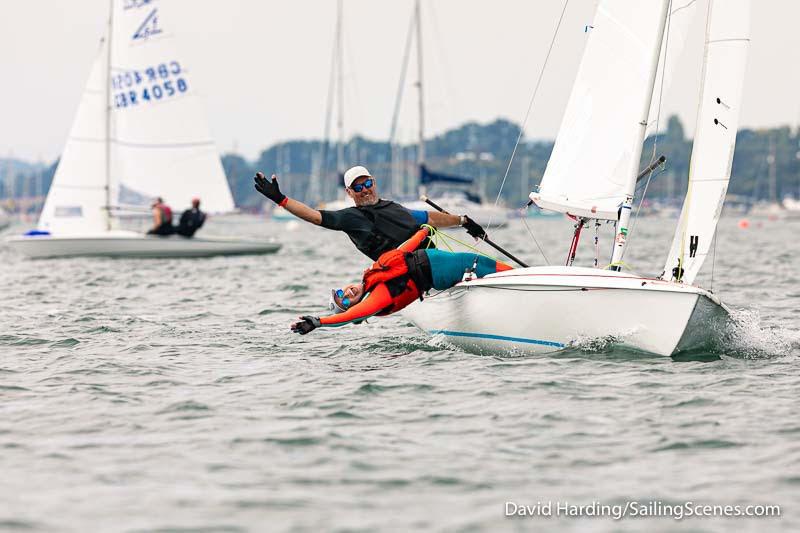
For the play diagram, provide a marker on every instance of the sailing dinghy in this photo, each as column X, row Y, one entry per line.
column 591, row 176
column 139, row 133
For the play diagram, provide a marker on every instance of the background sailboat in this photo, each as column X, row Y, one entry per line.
column 455, row 194
column 591, row 176
column 139, row 132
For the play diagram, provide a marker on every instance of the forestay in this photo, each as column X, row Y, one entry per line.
column 77, row 197
column 162, row 143
column 596, row 155
column 727, row 40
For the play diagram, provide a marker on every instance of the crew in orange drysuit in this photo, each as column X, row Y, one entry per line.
column 396, row 279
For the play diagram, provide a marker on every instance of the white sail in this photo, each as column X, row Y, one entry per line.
column 727, row 40
column 162, row 144
column 77, row 198
column 674, row 56
column 596, row 155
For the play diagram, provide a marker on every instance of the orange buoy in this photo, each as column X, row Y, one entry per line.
column 744, row 223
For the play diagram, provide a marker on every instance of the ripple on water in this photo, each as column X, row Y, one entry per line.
column 185, row 406
column 698, row 444
column 374, row 388
column 65, row 343
column 15, row 340
column 24, row 525
column 14, row 388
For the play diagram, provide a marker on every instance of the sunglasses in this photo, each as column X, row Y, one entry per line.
column 361, row 186
column 340, row 293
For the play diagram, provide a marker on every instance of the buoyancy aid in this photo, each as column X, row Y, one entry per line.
column 391, row 225
column 166, row 213
column 406, row 275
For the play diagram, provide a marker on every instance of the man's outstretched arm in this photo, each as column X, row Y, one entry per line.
column 270, row 189
column 438, row 219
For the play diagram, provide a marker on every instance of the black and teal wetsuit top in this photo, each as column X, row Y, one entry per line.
column 376, row 229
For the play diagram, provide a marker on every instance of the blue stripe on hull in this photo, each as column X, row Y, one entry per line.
column 495, row 337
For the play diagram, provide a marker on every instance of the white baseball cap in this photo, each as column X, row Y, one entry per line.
column 354, row 173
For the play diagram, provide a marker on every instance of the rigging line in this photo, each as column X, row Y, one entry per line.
column 401, row 84
column 329, row 102
column 525, row 222
column 644, row 194
column 466, row 245
column 661, row 88
column 444, row 68
column 530, row 106
column 683, row 7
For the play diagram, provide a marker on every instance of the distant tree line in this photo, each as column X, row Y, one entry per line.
column 459, row 152
column 481, row 152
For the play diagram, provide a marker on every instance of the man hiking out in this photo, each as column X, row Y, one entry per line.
column 374, row 225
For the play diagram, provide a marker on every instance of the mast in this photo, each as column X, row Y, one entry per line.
column 340, row 90
column 397, row 172
column 625, row 211
column 773, row 178
column 108, row 116
column 421, row 149
column 318, row 192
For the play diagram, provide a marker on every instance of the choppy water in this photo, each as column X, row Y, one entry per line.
column 170, row 395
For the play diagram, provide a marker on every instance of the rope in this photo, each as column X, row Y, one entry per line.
column 619, row 264
column 661, row 87
column 639, row 207
column 530, row 106
column 437, row 234
column 524, row 221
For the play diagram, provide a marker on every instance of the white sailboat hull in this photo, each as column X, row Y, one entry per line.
column 130, row 244
column 545, row 309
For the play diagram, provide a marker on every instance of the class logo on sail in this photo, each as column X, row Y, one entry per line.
column 149, row 27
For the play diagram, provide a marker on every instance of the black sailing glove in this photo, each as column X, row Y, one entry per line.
column 473, row 228
column 269, row 188
column 306, row 324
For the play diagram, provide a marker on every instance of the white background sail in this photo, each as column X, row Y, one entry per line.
column 598, row 145
column 727, row 40
column 161, row 142
column 77, row 198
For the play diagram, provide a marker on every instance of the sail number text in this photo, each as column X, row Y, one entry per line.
column 136, row 87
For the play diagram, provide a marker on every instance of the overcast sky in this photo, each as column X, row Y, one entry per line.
column 263, row 66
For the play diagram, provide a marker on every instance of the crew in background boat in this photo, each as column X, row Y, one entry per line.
column 162, row 218
column 398, row 278
column 191, row 220
column 374, row 225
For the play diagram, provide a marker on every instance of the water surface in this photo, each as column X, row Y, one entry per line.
column 140, row 395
